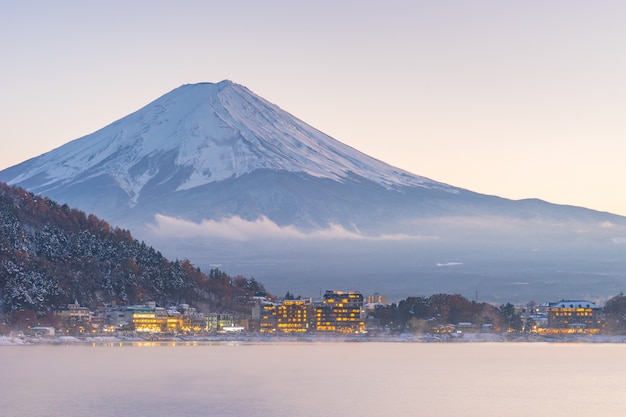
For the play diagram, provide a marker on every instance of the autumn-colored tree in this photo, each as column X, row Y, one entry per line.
column 52, row 255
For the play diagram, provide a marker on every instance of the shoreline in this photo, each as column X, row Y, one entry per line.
column 262, row 339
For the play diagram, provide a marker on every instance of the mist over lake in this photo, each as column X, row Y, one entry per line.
column 313, row 379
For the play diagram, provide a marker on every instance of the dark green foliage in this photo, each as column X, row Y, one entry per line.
column 440, row 309
column 508, row 314
column 51, row 255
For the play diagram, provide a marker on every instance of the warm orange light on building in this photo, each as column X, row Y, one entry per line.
column 572, row 317
column 267, row 318
column 291, row 316
column 153, row 320
column 340, row 312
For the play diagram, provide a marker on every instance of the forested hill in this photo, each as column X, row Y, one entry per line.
column 52, row 255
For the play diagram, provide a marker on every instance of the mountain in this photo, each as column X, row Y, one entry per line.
column 222, row 175
column 202, row 143
column 52, row 255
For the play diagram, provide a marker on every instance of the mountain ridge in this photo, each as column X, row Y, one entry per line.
column 215, row 131
column 200, row 135
column 205, row 157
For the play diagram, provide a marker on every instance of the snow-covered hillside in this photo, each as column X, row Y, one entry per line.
column 217, row 174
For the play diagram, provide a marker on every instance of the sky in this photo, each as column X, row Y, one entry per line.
column 520, row 99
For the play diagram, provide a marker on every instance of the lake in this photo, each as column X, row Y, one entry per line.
column 298, row 379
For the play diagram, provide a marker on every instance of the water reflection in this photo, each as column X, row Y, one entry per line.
column 230, row 378
column 171, row 343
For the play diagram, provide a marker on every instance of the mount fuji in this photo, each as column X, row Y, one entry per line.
column 215, row 173
column 203, row 142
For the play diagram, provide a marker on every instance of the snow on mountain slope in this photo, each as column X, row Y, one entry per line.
column 214, row 173
column 211, row 132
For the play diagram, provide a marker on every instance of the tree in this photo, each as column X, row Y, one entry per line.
column 387, row 316
column 510, row 318
column 216, row 275
column 615, row 314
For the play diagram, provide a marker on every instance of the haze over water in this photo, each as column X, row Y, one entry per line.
column 313, row 379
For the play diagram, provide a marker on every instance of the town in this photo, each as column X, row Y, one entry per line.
column 336, row 313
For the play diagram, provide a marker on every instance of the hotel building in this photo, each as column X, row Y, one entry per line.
column 73, row 313
column 340, row 312
column 215, row 322
column 569, row 316
column 292, row 317
column 266, row 316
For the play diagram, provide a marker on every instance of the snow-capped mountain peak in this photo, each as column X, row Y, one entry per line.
column 203, row 133
column 214, row 172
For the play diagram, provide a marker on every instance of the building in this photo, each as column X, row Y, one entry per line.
column 377, row 299
column 191, row 320
column 570, row 316
column 340, row 312
column 292, row 317
column 152, row 319
column 73, row 318
column 42, row 331
column 264, row 312
column 73, row 313
column 215, row 322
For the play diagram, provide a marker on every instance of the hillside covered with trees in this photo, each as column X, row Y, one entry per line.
column 421, row 313
column 52, row 255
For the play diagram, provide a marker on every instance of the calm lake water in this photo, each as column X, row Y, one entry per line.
column 314, row 379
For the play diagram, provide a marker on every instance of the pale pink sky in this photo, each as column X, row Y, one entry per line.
column 517, row 99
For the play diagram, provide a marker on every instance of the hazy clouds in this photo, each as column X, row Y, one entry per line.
column 459, row 229
column 238, row 229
